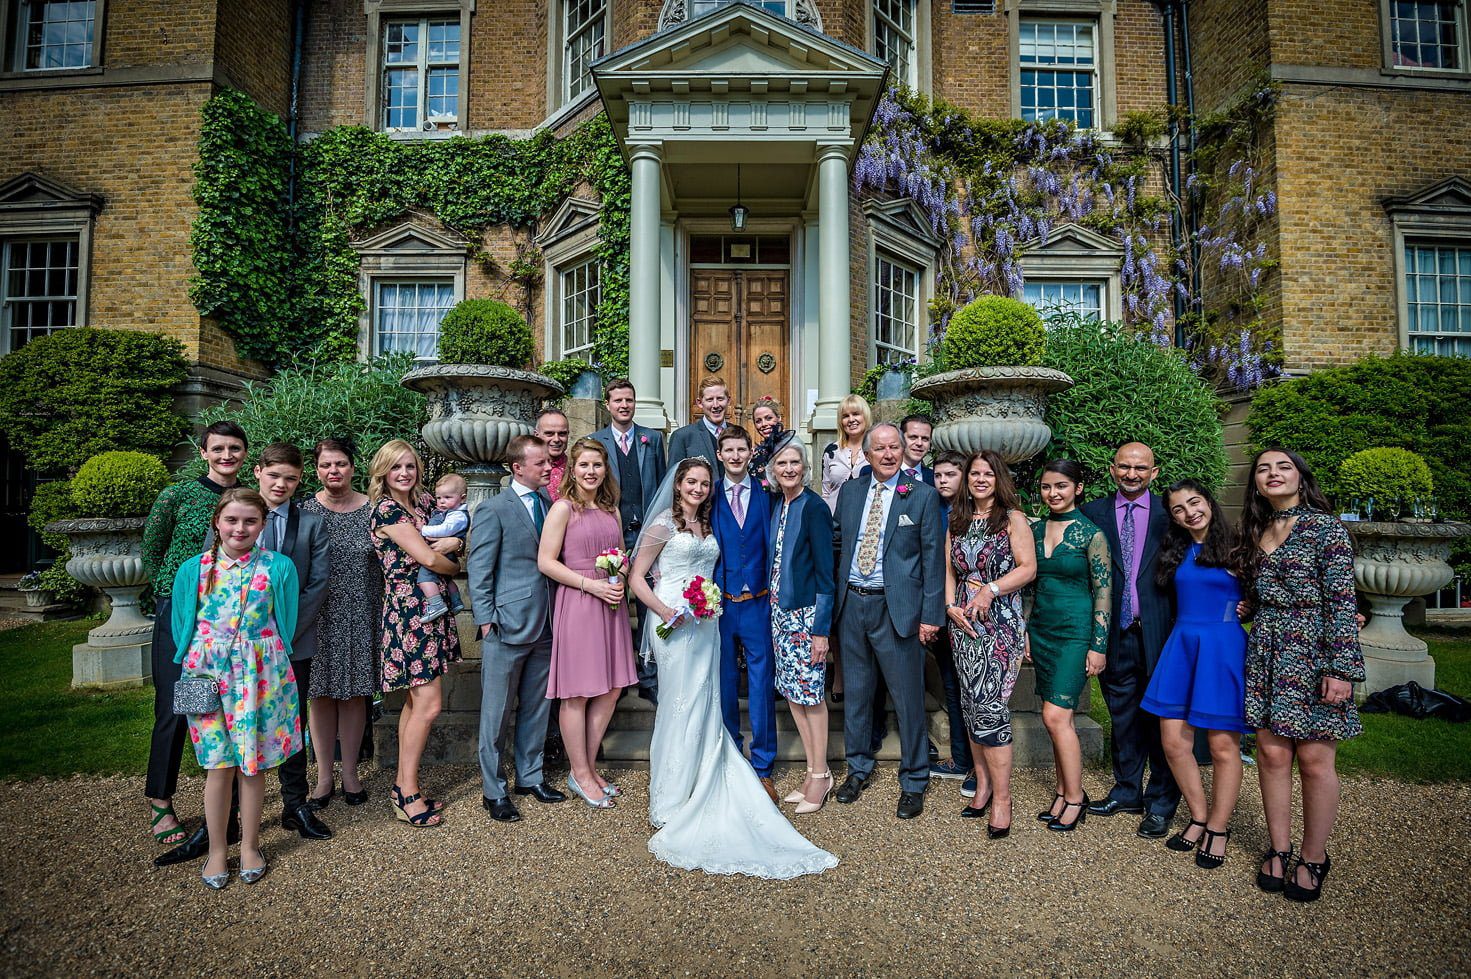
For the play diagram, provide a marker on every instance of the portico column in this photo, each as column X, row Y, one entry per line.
column 644, row 284
column 834, row 304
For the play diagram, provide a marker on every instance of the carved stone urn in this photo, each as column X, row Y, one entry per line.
column 474, row 412
column 107, row 553
column 1393, row 563
column 996, row 408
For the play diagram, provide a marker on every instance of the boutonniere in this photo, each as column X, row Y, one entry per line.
column 765, row 486
column 643, row 440
column 904, row 488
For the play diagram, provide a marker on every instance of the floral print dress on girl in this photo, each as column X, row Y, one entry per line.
column 237, row 638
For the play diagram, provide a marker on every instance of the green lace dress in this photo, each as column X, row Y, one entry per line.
column 1070, row 606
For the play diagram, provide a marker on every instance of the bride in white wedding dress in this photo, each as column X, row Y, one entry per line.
column 710, row 809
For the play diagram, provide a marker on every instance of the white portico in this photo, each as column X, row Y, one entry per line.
column 740, row 104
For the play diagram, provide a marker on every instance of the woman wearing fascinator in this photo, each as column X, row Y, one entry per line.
column 709, row 807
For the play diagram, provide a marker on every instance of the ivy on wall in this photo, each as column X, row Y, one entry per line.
column 283, row 279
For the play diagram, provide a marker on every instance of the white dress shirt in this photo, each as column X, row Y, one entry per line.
column 875, row 580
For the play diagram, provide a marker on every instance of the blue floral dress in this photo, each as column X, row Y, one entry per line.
column 412, row 652
column 797, row 678
column 236, row 639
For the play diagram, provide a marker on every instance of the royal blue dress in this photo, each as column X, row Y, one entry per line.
column 1200, row 677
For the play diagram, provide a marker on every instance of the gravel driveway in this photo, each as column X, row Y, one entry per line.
column 569, row 891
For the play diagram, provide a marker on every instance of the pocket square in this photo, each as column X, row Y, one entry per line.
column 904, row 520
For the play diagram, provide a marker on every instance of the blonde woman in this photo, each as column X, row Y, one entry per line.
column 414, row 654
column 843, row 460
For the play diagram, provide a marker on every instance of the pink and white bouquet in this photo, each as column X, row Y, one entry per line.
column 614, row 561
column 704, row 603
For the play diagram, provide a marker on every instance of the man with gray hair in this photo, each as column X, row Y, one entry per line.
column 891, row 531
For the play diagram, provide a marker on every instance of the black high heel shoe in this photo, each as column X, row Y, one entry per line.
column 1294, row 891
column 1206, row 860
column 998, row 832
column 1179, row 844
column 1270, row 883
column 1047, row 815
column 320, row 802
column 976, row 812
column 1058, row 826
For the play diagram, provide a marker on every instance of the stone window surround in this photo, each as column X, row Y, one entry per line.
column 1072, row 253
column 923, row 46
column 897, row 240
column 9, row 19
column 1386, row 38
column 557, row 51
column 571, row 238
column 56, row 212
column 1418, row 218
column 1102, row 13
column 379, row 10
column 390, row 255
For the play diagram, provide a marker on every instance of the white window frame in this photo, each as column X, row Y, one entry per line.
column 1439, row 215
column 381, row 12
column 887, row 16
column 1101, row 13
column 1457, row 337
column 899, row 233
column 569, row 241
column 423, row 68
column 375, row 309
column 598, row 23
column 34, row 208
column 16, row 15
column 1463, row 44
column 560, row 99
column 914, row 320
column 592, row 268
column 1083, row 281
column 407, row 252
column 1072, row 253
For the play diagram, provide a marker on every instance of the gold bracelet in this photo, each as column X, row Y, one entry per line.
column 582, row 584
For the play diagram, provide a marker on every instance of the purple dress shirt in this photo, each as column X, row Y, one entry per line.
column 1136, row 511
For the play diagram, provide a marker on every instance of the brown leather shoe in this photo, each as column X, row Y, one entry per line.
column 770, row 787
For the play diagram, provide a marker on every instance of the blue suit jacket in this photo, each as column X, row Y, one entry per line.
column 807, row 558
column 745, row 552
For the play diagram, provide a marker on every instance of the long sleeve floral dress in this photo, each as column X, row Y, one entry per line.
column 1071, row 606
column 1305, row 629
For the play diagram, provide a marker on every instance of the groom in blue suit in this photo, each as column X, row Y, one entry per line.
column 742, row 515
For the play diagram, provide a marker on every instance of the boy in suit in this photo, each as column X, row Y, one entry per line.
column 740, row 518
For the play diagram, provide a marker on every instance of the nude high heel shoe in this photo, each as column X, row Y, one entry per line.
column 804, row 807
column 796, row 795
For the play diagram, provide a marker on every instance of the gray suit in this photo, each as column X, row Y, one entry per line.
column 694, row 440
column 879, row 633
column 509, row 594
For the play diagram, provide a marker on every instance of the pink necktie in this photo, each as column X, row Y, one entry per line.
column 623, row 441
column 735, row 504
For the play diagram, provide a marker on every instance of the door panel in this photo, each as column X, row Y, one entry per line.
column 739, row 329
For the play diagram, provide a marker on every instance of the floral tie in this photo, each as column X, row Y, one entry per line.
column 868, row 546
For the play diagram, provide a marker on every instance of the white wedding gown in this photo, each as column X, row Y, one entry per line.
column 711, row 810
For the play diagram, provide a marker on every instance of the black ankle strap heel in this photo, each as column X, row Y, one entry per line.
column 1206, row 860
column 1294, row 891
column 1271, row 883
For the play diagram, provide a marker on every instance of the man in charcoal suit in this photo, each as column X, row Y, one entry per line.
column 700, row 437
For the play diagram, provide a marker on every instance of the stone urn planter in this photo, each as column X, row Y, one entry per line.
column 1393, row 563
column 36, row 597
column 996, row 408
column 107, row 553
column 474, row 413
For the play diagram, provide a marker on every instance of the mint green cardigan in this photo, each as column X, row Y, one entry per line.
column 284, row 593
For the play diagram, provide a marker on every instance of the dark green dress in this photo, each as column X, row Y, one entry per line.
column 1070, row 607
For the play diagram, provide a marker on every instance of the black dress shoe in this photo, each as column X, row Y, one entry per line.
column 196, row 846
column 541, row 792
column 911, row 804
column 304, row 820
column 501, row 810
column 1110, row 806
column 1153, row 826
column 852, row 788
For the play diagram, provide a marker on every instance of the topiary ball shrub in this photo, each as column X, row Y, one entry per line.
column 1384, row 474
column 118, row 484
column 484, row 331
column 67, row 396
column 1126, row 388
column 993, row 331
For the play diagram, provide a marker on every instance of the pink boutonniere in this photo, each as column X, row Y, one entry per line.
column 643, row 440
column 765, row 485
column 903, row 489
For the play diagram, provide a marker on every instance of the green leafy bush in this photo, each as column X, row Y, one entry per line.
column 51, row 502
column 485, row 331
column 70, row 395
column 302, row 405
column 993, row 331
column 565, row 372
column 118, row 484
column 1411, row 401
column 1384, row 474
column 1127, row 388
column 64, row 589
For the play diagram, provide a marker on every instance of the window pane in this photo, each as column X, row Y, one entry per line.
column 444, row 42
column 38, row 290
column 581, row 293
column 1052, row 297
column 444, row 93
column 584, row 29
column 401, row 43
column 57, row 34
column 407, row 316
column 1427, row 34
column 1057, row 71
column 1438, row 298
column 895, row 311
column 893, row 38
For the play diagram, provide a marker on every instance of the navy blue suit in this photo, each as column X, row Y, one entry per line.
column 745, row 565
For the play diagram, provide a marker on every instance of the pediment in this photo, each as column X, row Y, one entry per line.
column 32, row 191
column 902, row 215
column 1073, row 239
column 1449, row 196
column 411, row 238
column 571, row 216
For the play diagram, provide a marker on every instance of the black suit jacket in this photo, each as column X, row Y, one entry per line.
column 1156, row 604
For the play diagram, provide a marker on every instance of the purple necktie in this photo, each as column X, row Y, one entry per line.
column 1126, row 548
column 735, row 504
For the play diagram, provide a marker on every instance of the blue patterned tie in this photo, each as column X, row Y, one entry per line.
column 1126, row 548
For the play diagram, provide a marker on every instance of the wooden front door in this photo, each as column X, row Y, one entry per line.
column 739, row 330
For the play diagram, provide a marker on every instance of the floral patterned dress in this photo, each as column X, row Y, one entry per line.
column 235, row 639
column 1304, row 630
column 413, row 653
column 797, row 678
column 987, row 665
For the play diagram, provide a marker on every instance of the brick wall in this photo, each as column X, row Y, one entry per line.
column 969, row 59
column 1341, row 33
column 332, row 82
column 1230, row 46
column 141, row 33
column 253, row 49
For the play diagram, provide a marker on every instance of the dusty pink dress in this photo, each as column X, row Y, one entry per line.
column 592, row 645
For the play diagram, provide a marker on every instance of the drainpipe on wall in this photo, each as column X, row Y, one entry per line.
column 1192, row 217
column 298, row 38
column 1172, row 95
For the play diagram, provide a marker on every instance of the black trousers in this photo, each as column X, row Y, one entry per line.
column 166, row 746
column 1135, row 740
column 293, row 770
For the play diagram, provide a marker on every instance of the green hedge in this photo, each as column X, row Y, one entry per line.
column 1385, row 474
column 993, row 331
column 485, row 331
column 118, row 484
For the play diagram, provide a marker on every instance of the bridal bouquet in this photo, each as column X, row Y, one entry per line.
column 614, row 561
column 704, row 603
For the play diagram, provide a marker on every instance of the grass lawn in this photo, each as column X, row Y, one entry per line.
column 48, row 730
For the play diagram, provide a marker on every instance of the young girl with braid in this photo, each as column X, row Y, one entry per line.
column 234, row 612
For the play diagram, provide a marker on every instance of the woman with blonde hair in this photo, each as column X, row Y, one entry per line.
column 841, row 461
column 592, row 643
column 415, row 654
column 766, row 416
